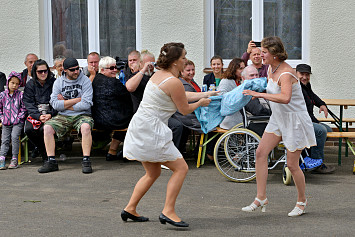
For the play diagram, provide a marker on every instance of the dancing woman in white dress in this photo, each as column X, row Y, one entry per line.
column 149, row 139
column 289, row 122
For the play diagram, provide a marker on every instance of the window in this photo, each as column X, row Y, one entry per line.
column 74, row 28
column 235, row 22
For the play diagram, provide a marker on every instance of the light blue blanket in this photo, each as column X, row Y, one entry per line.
column 227, row 104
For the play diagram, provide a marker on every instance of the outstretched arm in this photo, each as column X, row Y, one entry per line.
column 194, row 96
column 286, row 91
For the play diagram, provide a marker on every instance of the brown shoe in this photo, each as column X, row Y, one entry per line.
column 324, row 169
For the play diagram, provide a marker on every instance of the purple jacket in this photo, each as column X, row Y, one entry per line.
column 12, row 108
column 262, row 71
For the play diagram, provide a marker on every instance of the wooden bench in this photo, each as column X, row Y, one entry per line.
column 349, row 121
column 203, row 142
column 25, row 141
column 345, row 136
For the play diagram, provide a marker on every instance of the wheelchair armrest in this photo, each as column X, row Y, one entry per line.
column 259, row 118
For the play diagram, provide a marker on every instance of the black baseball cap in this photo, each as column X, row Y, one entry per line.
column 304, row 68
column 70, row 62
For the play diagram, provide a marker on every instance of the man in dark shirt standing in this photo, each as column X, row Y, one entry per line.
column 320, row 129
column 254, row 54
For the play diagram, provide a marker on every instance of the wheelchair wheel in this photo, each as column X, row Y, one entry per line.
column 234, row 154
column 239, row 125
column 286, row 175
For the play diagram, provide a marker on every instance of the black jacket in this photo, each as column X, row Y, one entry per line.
column 190, row 120
column 35, row 94
column 256, row 109
column 137, row 95
column 2, row 81
column 112, row 104
column 311, row 100
column 24, row 75
column 209, row 79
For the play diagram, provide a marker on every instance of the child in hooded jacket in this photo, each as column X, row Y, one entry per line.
column 12, row 116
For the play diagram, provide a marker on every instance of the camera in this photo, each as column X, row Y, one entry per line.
column 121, row 63
column 257, row 44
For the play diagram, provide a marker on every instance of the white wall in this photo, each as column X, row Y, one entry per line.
column 332, row 50
column 332, row 35
column 175, row 21
column 19, row 33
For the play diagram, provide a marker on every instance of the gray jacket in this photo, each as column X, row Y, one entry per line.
column 190, row 121
column 70, row 89
column 230, row 121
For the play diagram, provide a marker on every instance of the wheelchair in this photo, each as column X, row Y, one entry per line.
column 235, row 152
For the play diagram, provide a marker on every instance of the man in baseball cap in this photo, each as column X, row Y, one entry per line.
column 317, row 152
column 72, row 98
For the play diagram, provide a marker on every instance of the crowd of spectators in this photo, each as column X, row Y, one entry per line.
column 67, row 97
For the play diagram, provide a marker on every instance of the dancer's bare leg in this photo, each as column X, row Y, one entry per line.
column 267, row 143
column 179, row 168
column 297, row 174
column 153, row 171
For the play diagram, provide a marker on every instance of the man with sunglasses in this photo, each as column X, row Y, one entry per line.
column 72, row 98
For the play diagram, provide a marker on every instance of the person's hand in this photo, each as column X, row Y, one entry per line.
column 252, row 93
column 204, row 102
column 48, row 116
column 324, row 109
column 148, row 66
column 60, row 97
column 251, row 45
column 92, row 70
column 212, row 93
column 45, row 117
column 42, row 118
column 134, row 67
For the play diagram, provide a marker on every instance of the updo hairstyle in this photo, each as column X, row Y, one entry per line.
column 275, row 47
column 169, row 53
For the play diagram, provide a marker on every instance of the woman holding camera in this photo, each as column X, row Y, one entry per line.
column 289, row 123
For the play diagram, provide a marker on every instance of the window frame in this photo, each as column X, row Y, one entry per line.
column 93, row 29
column 258, row 30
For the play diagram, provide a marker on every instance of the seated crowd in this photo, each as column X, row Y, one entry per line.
column 52, row 104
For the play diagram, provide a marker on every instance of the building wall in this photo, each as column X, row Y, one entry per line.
column 332, row 50
column 175, row 21
column 331, row 37
column 19, row 33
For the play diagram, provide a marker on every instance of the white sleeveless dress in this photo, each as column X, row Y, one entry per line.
column 148, row 136
column 290, row 121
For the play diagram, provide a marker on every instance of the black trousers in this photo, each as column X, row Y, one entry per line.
column 35, row 136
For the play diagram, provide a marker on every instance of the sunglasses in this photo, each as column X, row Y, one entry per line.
column 73, row 69
column 42, row 71
column 111, row 68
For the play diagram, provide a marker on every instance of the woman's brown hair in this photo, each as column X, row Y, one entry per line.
column 275, row 47
column 232, row 68
column 169, row 53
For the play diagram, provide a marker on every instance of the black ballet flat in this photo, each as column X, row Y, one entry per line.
column 126, row 215
column 163, row 219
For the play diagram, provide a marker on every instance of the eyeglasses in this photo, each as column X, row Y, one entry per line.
column 73, row 69
column 111, row 68
column 42, row 71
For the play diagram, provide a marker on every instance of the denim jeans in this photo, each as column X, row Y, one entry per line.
column 11, row 133
column 320, row 130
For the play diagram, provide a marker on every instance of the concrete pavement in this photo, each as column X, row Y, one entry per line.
column 69, row 203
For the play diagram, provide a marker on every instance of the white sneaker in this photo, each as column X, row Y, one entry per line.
column 164, row 167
